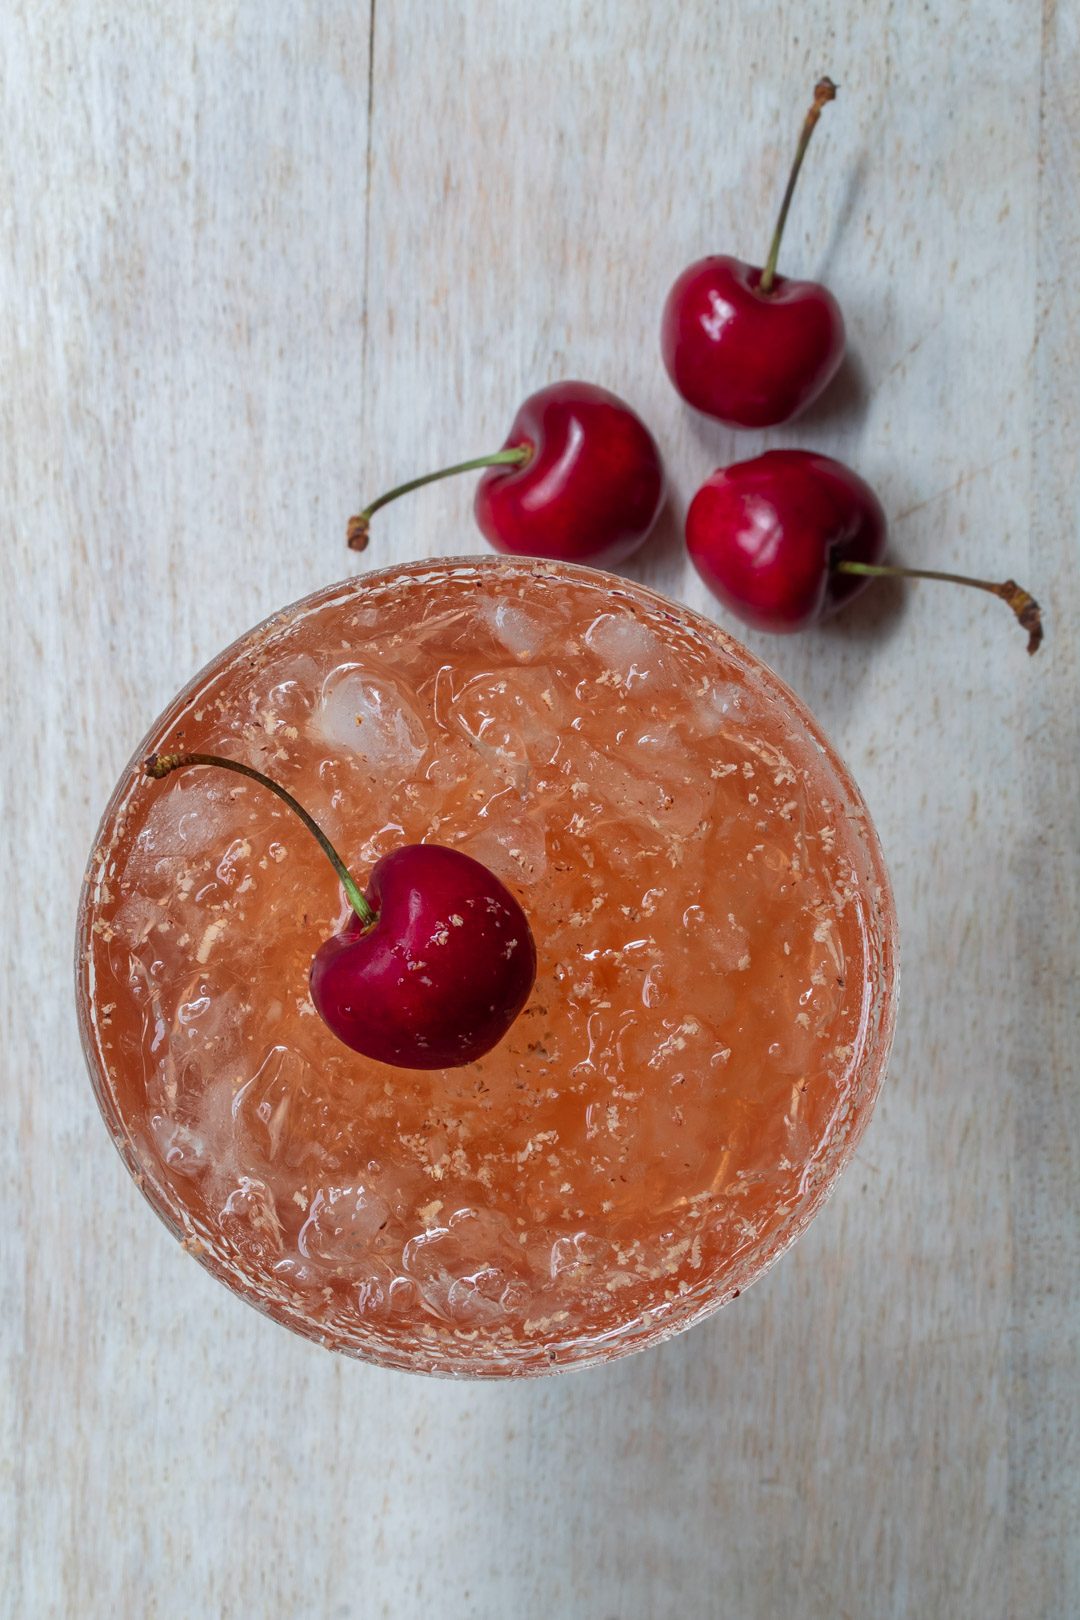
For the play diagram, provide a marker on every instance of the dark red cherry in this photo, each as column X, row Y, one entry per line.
column 749, row 358
column 790, row 536
column 440, row 975
column 579, row 479
column 591, row 488
column 748, row 346
column 765, row 536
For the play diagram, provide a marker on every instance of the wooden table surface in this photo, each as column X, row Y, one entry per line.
column 260, row 260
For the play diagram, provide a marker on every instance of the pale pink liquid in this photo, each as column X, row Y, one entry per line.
column 710, row 1021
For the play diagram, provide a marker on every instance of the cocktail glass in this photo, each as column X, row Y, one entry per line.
column 710, row 1024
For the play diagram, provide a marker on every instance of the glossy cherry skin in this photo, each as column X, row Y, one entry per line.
column 749, row 358
column 592, row 488
column 764, row 534
column 439, row 977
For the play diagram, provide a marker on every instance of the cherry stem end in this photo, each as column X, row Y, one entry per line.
column 358, row 531
column 824, row 92
column 1022, row 603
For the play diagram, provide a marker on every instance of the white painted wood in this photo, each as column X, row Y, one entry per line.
column 230, row 310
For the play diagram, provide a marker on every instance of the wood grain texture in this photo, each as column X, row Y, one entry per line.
column 233, row 306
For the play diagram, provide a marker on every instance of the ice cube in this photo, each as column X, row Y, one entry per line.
column 369, row 715
column 511, row 844
column 521, row 630
column 342, row 1225
column 249, row 1219
column 477, row 1298
column 633, row 652
column 511, row 718
column 279, row 693
column 660, row 755
column 653, row 798
column 135, row 918
column 188, row 817
column 462, row 1270
column 722, row 704
column 470, row 1239
column 183, row 1151
column 576, row 1252
column 262, row 1107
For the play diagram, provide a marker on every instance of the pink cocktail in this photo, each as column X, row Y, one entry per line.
column 710, row 1022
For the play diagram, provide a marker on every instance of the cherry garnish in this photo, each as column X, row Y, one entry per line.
column 436, row 961
column 790, row 536
column 748, row 346
column 579, row 479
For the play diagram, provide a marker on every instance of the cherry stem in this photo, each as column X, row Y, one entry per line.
column 1023, row 604
column 162, row 765
column 824, row 91
column 357, row 532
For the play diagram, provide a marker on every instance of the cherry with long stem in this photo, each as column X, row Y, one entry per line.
column 824, row 91
column 790, row 536
column 1022, row 603
column 161, row 765
column 358, row 531
column 478, row 971
column 578, row 478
